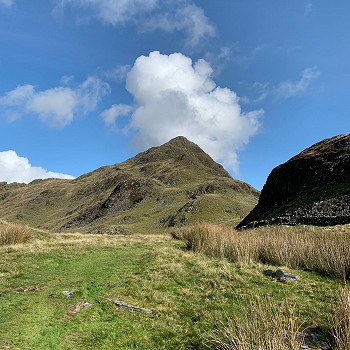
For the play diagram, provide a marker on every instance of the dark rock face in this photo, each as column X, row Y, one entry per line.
column 128, row 193
column 311, row 188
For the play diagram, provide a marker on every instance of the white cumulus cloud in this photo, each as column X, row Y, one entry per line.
column 57, row 106
column 14, row 168
column 174, row 96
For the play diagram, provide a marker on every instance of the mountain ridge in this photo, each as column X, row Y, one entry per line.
column 174, row 184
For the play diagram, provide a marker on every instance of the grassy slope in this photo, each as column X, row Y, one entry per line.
column 192, row 295
column 169, row 175
column 227, row 204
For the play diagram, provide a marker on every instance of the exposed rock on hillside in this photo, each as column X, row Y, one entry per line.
column 174, row 184
column 311, row 188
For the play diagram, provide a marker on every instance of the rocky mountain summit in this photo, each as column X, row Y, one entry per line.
column 170, row 185
column 311, row 188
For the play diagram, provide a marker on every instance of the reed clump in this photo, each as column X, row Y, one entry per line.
column 13, row 234
column 341, row 322
column 304, row 247
column 265, row 326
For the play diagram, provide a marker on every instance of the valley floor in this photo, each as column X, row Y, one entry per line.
column 193, row 297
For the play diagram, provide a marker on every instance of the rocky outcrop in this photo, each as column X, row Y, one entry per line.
column 311, row 188
column 128, row 193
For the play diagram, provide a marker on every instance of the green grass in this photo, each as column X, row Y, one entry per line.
column 192, row 296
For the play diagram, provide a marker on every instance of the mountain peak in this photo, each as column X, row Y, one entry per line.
column 180, row 141
column 183, row 155
column 179, row 138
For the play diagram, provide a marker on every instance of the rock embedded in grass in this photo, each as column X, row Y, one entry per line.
column 68, row 293
column 124, row 305
column 27, row 289
column 312, row 341
column 281, row 276
column 78, row 307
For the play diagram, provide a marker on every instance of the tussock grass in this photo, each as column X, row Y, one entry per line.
column 307, row 248
column 266, row 325
column 13, row 234
column 341, row 322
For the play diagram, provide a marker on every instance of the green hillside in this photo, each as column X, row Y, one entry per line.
column 171, row 185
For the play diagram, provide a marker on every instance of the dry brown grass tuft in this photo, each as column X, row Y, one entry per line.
column 303, row 247
column 341, row 322
column 264, row 326
column 14, row 234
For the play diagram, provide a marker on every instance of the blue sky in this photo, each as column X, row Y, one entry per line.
column 88, row 83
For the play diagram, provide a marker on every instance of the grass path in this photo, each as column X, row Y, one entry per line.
column 39, row 320
column 191, row 295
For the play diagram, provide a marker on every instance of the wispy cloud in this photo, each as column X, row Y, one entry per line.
column 219, row 59
column 189, row 19
column 111, row 114
column 114, row 12
column 90, row 92
column 57, row 106
column 233, row 54
column 20, row 95
column 7, row 3
column 289, row 88
column 14, row 168
column 147, row 15
column 285, row 89
column 66, row 79
column 54, row 106
column 175, row 96
column 118, row 73
column 262, row 91
column 308, row 8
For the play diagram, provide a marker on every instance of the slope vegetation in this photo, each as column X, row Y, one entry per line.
column 171, row 185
